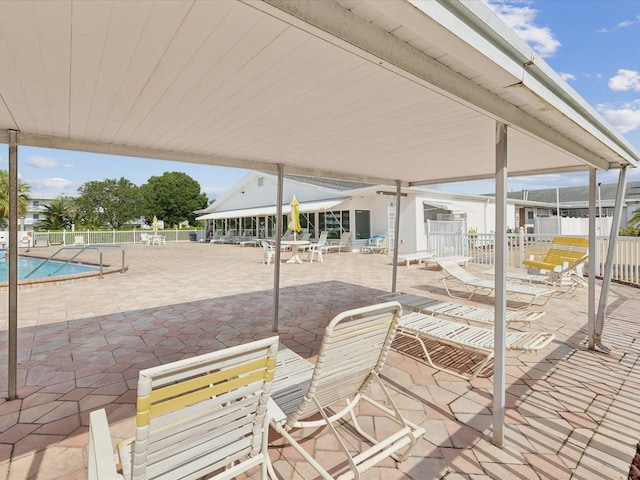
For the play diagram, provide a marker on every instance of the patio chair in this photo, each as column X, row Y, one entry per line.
column 466, row 313
column 475, row 284
column 338, row 245
column 145, row 238
column 382, row 247
column 268, row 252
column 431, row 333
column 25, row 242
column 316, row 248
column 195, row 417
column 353, row 351
column 159, row 239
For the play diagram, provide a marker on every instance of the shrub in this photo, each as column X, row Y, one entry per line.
column 629, row 232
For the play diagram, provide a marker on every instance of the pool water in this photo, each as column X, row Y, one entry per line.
column 50, row 269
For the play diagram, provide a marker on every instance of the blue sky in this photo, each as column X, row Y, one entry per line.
column 593, row 44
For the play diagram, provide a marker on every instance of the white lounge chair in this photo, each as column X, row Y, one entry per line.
column 352, row 353
column 475, row 284
column 341, row 244
column 466, row 313
column 520, row 277
column 474, row 344
column 419, row 257
column 462, row 260
column 195, row 417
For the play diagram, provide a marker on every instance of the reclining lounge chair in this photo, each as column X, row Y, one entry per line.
column 467, row 313
column 352, row 353
column 475, row 284
column 431, row 333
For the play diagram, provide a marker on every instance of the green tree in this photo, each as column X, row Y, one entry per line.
column 173, row 197
column 108, row 202
column 634, row 221
column 23, row 197
column 59, row 214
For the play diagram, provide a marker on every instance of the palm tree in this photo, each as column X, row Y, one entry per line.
column 634, row 221
column 23, row 197
column 57, row 215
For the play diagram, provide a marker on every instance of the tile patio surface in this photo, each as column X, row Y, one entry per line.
column 571, row 413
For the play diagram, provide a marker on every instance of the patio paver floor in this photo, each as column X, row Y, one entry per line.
column 82, row 343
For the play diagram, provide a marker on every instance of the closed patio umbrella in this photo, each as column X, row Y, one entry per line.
column 294, row 217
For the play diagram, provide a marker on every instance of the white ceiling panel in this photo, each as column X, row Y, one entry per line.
column 358, row 89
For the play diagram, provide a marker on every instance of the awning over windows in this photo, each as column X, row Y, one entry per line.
column 434, row 206
column 271, row 210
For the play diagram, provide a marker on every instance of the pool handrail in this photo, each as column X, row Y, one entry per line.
column 81, row 250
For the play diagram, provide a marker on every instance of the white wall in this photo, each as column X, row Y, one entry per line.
column 572, row 226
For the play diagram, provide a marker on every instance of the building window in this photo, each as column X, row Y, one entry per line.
column 529, row 215
column 36, row 203
column 334, row 223
column 36, row 216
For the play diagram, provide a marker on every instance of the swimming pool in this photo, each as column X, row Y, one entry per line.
column 52, row 268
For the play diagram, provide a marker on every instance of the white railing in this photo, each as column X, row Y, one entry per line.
column 110, row 237
column 480, row 247
column 626, row 264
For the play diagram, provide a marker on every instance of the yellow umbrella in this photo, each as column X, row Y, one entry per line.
column 294, row 217
column 155, row 225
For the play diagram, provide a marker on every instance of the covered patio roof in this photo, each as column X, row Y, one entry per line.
column 354, row 89
column 398, row 92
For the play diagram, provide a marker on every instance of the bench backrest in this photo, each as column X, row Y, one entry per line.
column 567, row 250
column 576, row 242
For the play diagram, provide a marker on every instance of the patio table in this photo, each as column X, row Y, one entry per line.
column 295, row 246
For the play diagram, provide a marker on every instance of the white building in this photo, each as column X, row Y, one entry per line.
column 35, row 212
column 365, row 210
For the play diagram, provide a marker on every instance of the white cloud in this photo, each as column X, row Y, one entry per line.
column 521, row 18
column 39, row 161
column 628, row 23
column 567, row 76
column 49, row 183
column 215, row 192
column 622, row 24
column 625, row 80
column 625, row 118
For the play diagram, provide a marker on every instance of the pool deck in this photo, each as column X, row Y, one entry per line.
column 571, row 413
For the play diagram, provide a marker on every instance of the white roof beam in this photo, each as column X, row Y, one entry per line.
column 44, row 141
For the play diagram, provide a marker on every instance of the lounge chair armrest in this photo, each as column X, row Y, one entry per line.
column 275, row 413
column 101, row 465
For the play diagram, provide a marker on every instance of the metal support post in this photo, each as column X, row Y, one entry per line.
column 276, row 266
column 608, row 267
column 499, row 378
